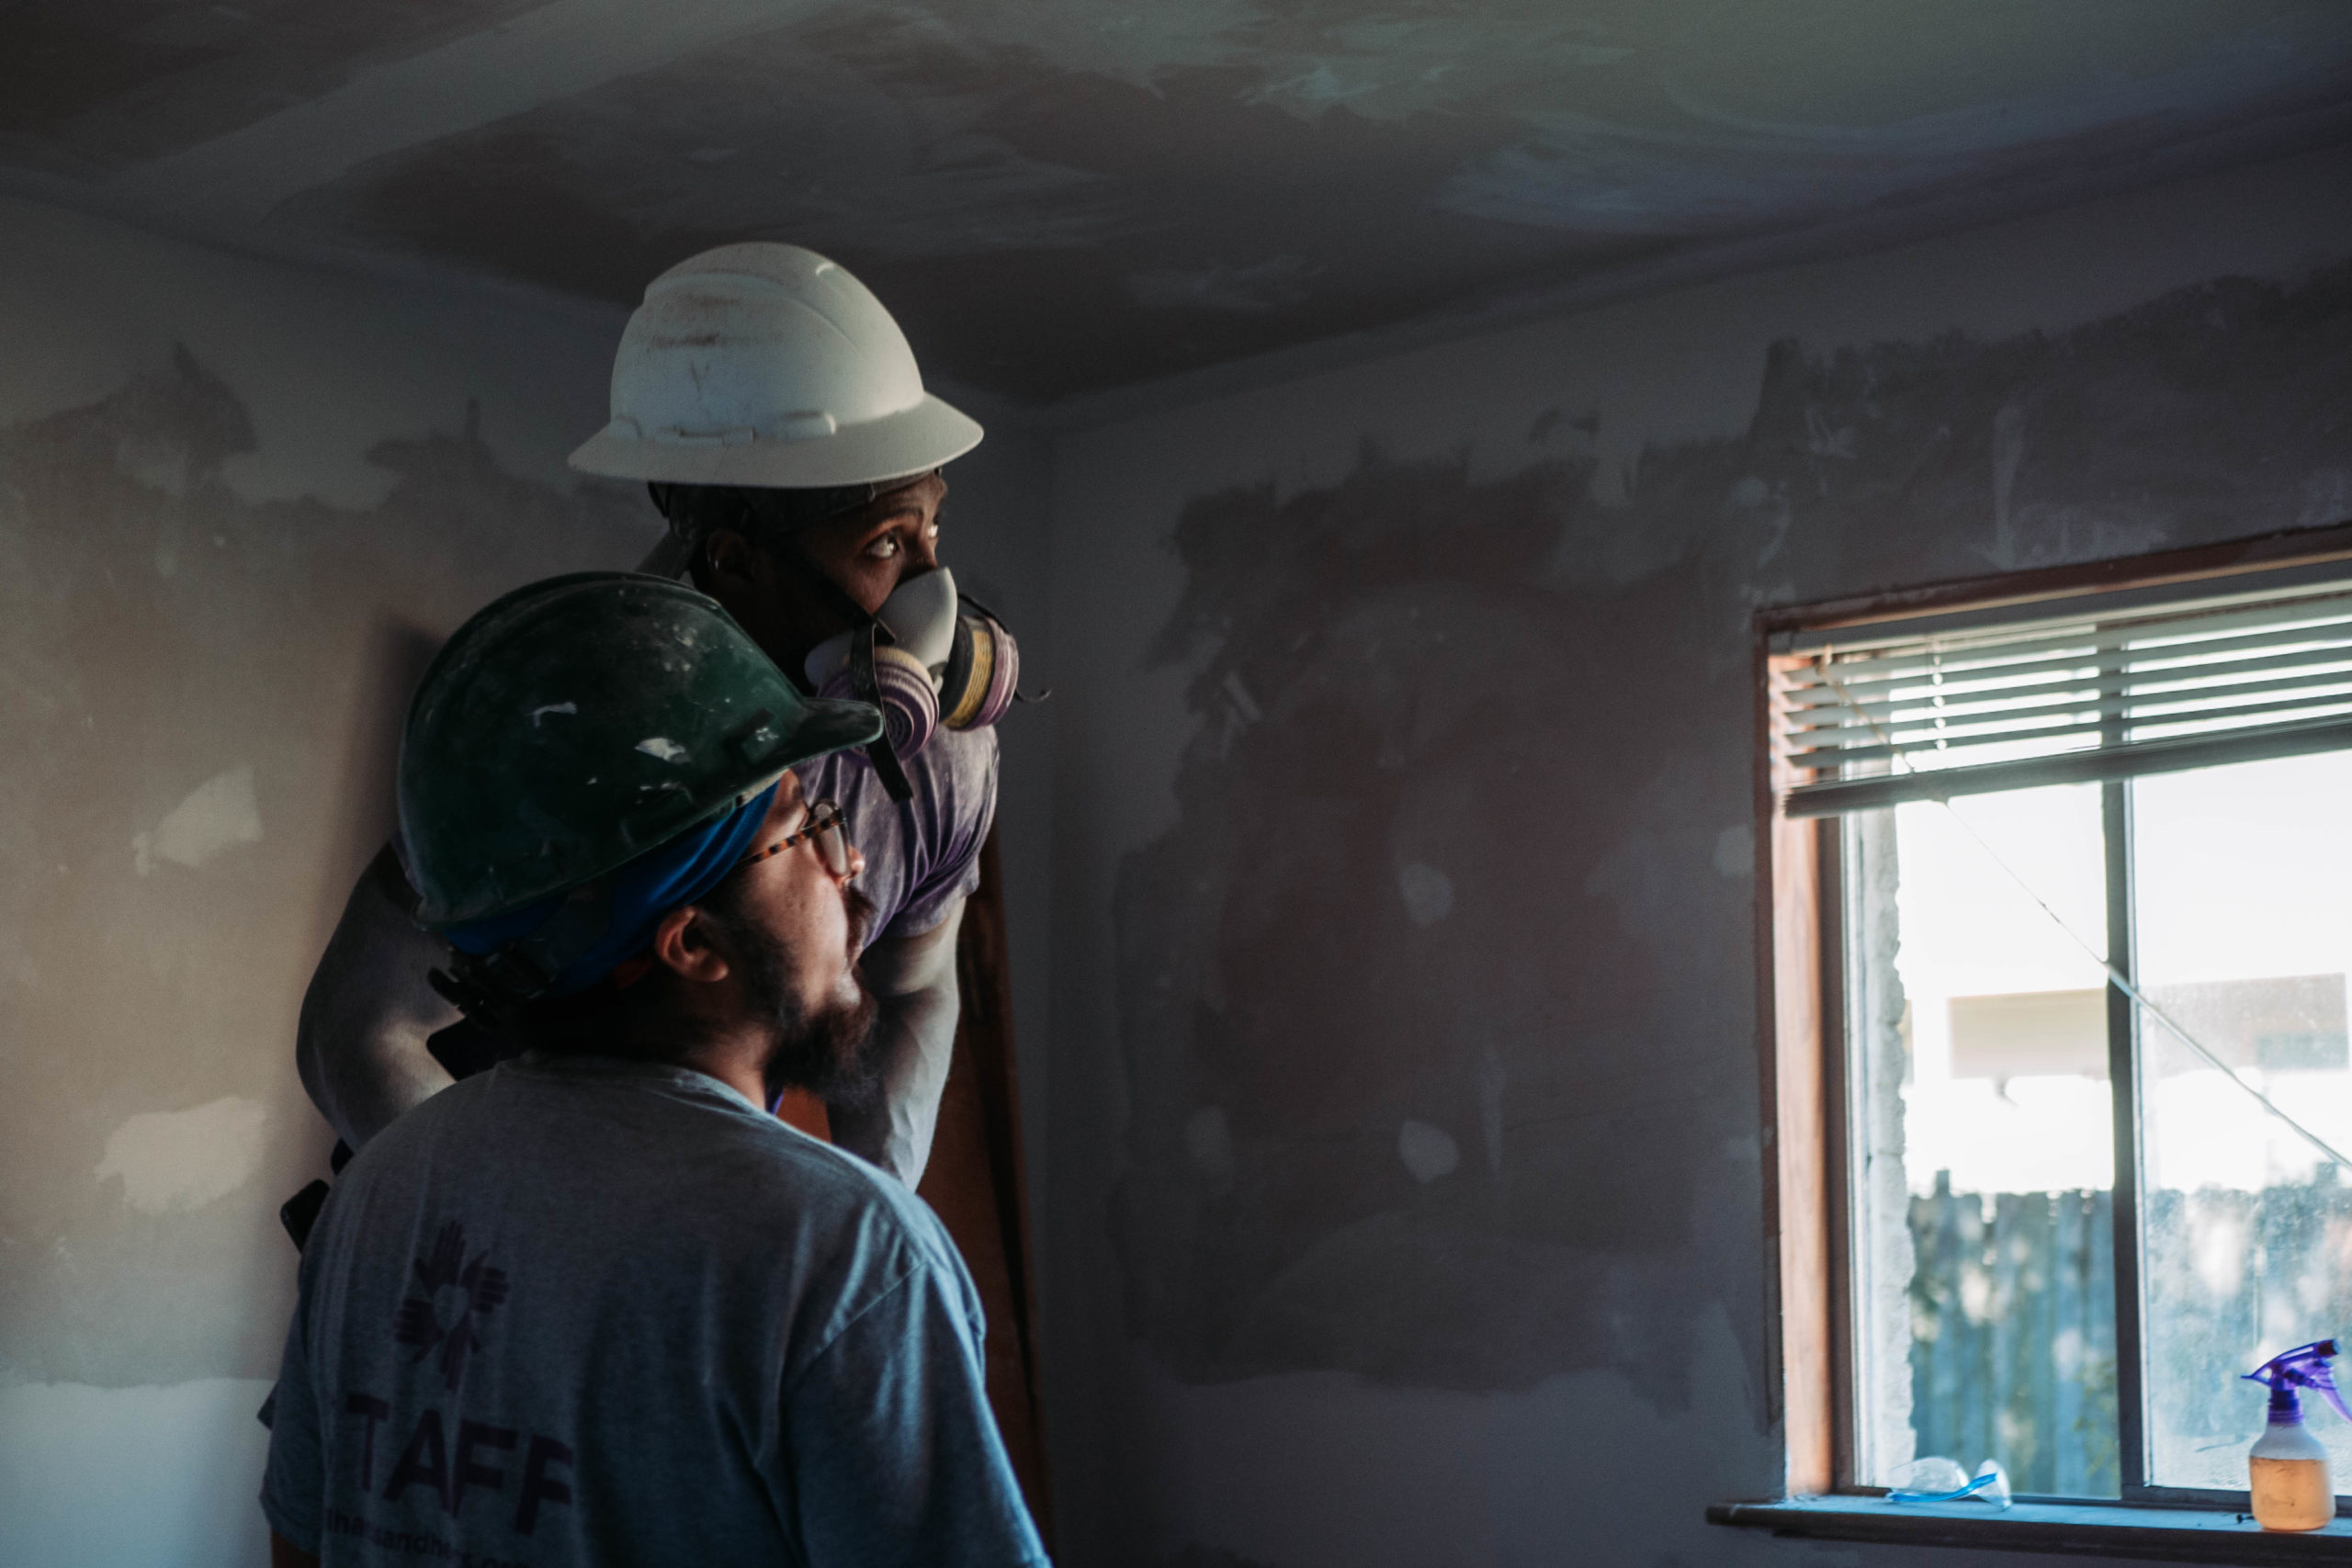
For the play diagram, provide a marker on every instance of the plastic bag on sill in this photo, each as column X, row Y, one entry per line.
column 1941, row 1480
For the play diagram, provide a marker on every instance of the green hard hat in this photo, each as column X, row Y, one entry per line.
column 579, row 722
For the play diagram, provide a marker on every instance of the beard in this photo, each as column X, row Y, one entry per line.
column 830, row 1050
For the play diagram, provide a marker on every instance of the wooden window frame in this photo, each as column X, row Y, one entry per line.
column 1802, row 1063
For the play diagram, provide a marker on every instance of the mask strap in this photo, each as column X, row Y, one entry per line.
column 864, row 685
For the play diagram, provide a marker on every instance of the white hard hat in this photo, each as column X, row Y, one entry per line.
column 763, row 364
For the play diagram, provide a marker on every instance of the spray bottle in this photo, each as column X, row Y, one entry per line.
column 2288, row 1469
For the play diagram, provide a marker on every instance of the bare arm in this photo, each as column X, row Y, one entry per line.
column 360, row 1044
column 284, row 1553
column 914, row 979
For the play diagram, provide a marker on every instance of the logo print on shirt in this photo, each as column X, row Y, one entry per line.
column 443, row 1271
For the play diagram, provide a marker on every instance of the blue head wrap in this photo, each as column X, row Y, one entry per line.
column 638, row 896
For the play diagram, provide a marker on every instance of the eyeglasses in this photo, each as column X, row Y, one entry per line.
column 824, row 824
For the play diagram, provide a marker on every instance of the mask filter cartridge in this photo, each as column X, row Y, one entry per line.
column 983, row 672
column 910, row 705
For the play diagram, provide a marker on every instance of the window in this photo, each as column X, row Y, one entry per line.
column 2062, row 917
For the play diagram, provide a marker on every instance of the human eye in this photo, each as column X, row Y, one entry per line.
column 884, row 547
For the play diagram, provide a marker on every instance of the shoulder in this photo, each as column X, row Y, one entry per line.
column 924, row 853
column 961, row 754
column 801, row 1173
column 953, row 779
column 843, row 1236
column 735, row 1177
column 766, row 1180
column 422, row 1124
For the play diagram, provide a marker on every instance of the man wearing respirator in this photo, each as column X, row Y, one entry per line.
column 775, row 412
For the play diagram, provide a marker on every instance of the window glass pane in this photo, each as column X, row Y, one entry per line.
column 2244, row 921
column 1980, row 1120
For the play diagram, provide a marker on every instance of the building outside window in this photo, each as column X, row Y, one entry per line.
column 2077, row 868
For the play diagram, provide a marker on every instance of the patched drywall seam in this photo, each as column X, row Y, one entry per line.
column 1436, row 998
column 217, row 815
column 172, row 1161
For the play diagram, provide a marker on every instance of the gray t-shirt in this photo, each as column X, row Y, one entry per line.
column 586, row 1311
column 924, row 855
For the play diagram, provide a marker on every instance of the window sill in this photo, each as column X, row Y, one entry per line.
column 2171, row 1535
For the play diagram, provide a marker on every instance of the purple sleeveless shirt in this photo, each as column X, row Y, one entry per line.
column 922, row 855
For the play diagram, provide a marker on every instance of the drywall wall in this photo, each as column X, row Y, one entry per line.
column 1405, row 1185
column 239, row 504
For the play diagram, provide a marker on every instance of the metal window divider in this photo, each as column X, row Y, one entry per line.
column 2127, row 1063
column 2123, row 1086
column 1833, row 861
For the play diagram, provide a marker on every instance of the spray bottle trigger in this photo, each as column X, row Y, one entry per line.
column 2305, row 1365
column 2321, row 1378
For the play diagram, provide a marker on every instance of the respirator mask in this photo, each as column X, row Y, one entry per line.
column 928, row 657
column 948, row 661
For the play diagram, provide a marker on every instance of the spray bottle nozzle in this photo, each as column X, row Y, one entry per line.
column 2305, row 1365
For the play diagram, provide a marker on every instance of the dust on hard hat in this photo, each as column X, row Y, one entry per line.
column 579, row 723
column 766, row 365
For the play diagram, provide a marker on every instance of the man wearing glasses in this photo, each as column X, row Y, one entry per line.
column 775, row 412
column 597, row 1305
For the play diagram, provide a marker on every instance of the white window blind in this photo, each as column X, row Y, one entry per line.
column 2103, row 686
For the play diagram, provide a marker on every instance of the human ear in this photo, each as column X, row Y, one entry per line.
column 683, row 944
column 730, row 565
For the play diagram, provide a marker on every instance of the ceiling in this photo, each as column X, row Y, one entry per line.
column 1059, row 197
